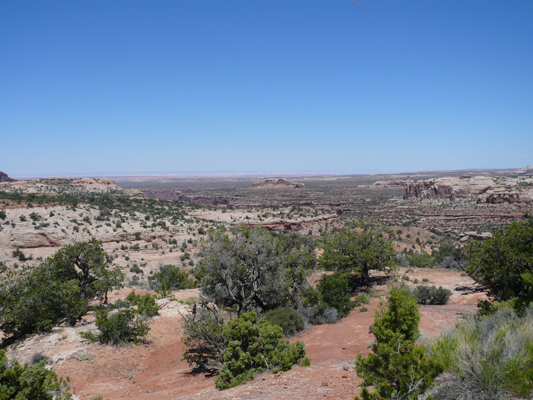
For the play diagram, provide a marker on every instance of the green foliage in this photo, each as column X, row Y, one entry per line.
column 487, row 357
column 431, row 295
column 361, row 298
column 37, row 300
column 315, row 310
column 357, row 248
column 335, row 293
column 30, row 382
column 398, row 368
column 253, row 269
column 169, row 277
column 3, row 215
column 35, row 217
column 203, row 338
column 146, row 305
column 254, row 346
column 400, row 316
column 449, row 255
column 422, row 260
column 288, row 319
column 121, row 326
column 87, row 263
column 504, row 263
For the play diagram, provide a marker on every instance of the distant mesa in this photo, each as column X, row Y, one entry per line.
column 527, row 170
column 486, row 189
column 5, row 178
column 398, row 183
column 280, row 183
column 96, row 182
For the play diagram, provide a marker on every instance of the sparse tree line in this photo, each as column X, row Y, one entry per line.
column 256, row 292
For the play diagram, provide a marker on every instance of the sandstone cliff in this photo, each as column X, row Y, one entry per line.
column 5, row 178
column 485, row 189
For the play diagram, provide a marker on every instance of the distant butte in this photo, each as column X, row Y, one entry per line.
column 5, row 178
column 280, row 183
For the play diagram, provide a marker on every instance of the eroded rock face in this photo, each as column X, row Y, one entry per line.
column 501, row 198
column 399, row 183
column 277, row 183
column 492, row 190
column 5, row 178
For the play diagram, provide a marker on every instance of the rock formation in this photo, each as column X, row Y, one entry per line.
column 280, row 183
column 5, row 178
column 492, row 190
column 398, row 183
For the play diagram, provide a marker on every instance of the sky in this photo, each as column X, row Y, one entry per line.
column 272, row 86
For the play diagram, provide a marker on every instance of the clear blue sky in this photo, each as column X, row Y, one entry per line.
column 106, row 87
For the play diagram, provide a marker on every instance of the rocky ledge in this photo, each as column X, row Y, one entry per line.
column 486, row 189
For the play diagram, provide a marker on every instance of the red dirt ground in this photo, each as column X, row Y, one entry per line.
column 154, row 370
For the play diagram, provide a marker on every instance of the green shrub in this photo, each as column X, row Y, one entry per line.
column 35, row 217
column 504, row 263
column 3, row 215
column 146, row 305
column 335, row 293
column 400, row 316
column 123, row 325
column 432, row 295
column 136, row 270
column 488, row 357
column 290, row 320
column 397, row 368
column 358, row 247
column 170, row 277
column 314, row 310
column 254, row 346
column 37, row 300
column 30, row 382
column 361, row 298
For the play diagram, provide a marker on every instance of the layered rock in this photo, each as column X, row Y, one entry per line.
column 398, row 183
column 280, row 183
column 5, row 178
column 57, row 186
column 492, row 190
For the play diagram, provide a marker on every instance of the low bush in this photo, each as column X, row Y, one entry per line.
column 488, row 357
column 28, row 382
column 319, row 314
column 314, row 310
column 288, row 319
column 334, row 291
column 121, row 326
column 432, row 295
column 361, row 298
column 170, row 277
column 254, row 346
column 146, row 305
